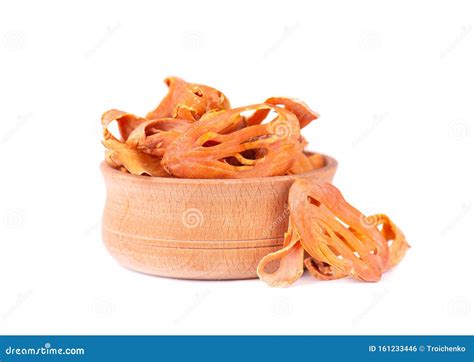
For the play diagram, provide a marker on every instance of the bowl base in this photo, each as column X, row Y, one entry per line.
column 196, row 262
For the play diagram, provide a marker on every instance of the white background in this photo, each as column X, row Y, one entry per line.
column 393, row 82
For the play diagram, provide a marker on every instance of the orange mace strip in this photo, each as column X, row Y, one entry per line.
column 217, row 147
column 339, row 239
column 188, row 101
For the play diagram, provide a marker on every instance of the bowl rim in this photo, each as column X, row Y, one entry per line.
column 330, row 163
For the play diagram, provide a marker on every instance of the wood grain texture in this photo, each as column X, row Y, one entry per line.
column 197, row 229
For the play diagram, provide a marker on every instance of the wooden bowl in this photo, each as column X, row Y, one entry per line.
column 197, row 228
